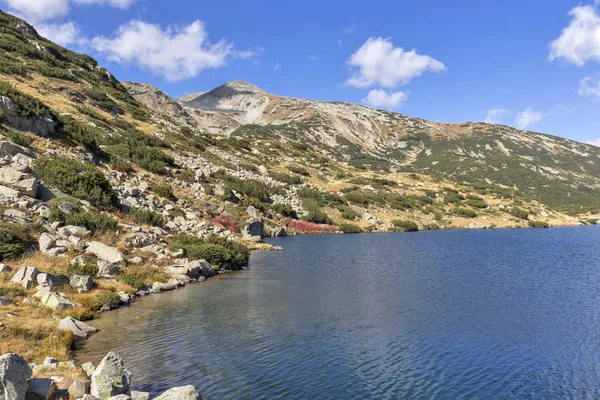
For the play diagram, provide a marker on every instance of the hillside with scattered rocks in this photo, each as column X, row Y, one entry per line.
column 110, row 191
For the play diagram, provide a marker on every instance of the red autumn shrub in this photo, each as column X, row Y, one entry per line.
column 305, row 226
column 227, row 221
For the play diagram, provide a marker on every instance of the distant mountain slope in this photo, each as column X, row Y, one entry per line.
column 564, row 173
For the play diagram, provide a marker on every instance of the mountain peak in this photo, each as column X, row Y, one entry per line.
column 243, row 86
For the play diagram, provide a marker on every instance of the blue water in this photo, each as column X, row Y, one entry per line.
column 443, row 314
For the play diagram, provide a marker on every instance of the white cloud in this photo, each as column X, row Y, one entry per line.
column 173, row 53
column 594, row 142
column 311, row 58
column 528, row 117
column 381, row 99
column 44, row 10
column 62, row 34
column 277, row 66
column 379, row 62
column 580, row 41
column 494, row 115
column 38, row 10
column 589, row 87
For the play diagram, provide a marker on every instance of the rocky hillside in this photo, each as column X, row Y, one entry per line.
column 111, row 190
column 563, row 173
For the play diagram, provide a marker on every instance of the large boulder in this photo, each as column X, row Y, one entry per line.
column 54, row 300
column 254, row 229
column 279, row 232
column 179, row 393
column 46, row 242
column 83, row 283
column 107, row 269
column 140, row 395
column 105, row 252
column 80, row 329
column 14, row 373
column 78, row 389
column 26, row 277
column 5, row 268
column 110, row 378
column 51, row 280
column 41, row 389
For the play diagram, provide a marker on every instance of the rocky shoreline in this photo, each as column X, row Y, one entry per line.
column 110, row 380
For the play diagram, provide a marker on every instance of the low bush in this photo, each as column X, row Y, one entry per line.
column 99, row 300
column 348, row 213
column 309, row 227
column 164, row 190
column 350, row 228
column 465, row 212
column 92, row 220
column 405, row 226
column 286, row 178
column 284, row 210
column 19, row 138
column 454, row 198
column 298, row 170
column 90, row 268
column 15, row 239
column 538, row 224
column 215, row 249
column 147, row 217
column 77, row 179
column 519, row 213
column 227, row 221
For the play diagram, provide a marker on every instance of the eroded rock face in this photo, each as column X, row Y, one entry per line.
column 26, row 277
column 110, row 378
column 14, row 373
column 42, row 124
column 254, row 229
column 179, row 393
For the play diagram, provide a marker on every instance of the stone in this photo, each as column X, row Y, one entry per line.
column 88, row 368
column 106, row 268
column 89, row 397
column 73, row 230
column 5, row 301
column 10, row 176
column 110, row 378
column 8, row 193
column 83, row 283
column 254, row 228
column 163, row 287
column 41, row 389
column 105, row 252
column 26, row 277
column 5, row 268
column 80, row 329
column 51, row 280
column 253, row 213
column 46, row 242
column 140, row 395
column 279, row 232
column 120, row 397
column 50, row 361
column 54, row 300
column 58, row 251
column 476, row 225
column 179, row 393
column 78, row 389
column 14, row 373
column 28, row 186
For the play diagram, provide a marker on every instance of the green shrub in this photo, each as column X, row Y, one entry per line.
column 216, row 250
column 19, row 138
column 317, row 216
column 405, row 226
column 12, row 292
column 285, row 178
column 454, row 198
column 147, row 217
column 475, row 203
column 164, row 191
column 89, row 268
column 350, row 228
column 298, row 170
column 285, row 210
column 77, row 179
column 519, row 213
column 539, row 224
column 133, row 277
column 101, row 299
column 15, row 239
column 465, row 212
column 348, row 213
column 92, row 220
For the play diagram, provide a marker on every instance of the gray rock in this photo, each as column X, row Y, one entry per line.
column 110, row 378
column 179, row 393
column 28, row 186
column 51, row 280
column 89, row 397
column 120, row 397
column 5, row 268
column 254, row 228
column 78, row 389
column 105, row 252
column 26, row 277
column 140, row 395
column 8, row 193
column 46, row 242
column 14, row 373
column 41, row 389
column 476, row 225
column 89, row 368
column 80, row 329
column 279, row 232
column 163, row 287
column 83, row 283
column 107, row 269
column 5, row 301
column 58, row 251
column 54, row 300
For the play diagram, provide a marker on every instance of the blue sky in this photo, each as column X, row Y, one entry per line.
column 536, row 63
